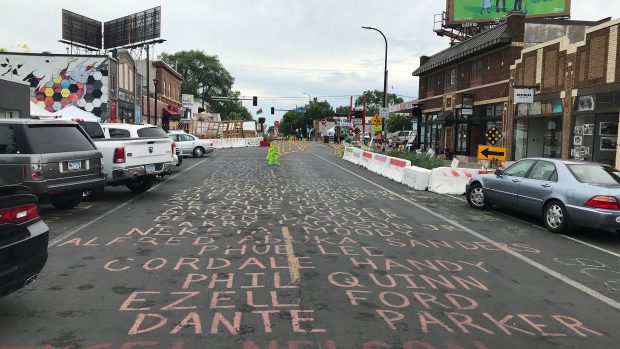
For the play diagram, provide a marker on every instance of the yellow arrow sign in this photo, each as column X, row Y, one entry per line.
column 487, row 152
column 376, row 120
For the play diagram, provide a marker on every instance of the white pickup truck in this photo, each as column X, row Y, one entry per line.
column 133, row 155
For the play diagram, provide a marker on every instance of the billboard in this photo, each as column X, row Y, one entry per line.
column 133, row 29
column 82, row 30
column 469, row 12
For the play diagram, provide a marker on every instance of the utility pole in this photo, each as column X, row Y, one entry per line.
column 148, row 86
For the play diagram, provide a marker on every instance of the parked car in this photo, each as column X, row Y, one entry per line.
column 564, row 193
column 23, row 239
column 135, row 154
column 400, row 137
column 190, row 144
column 55, row 159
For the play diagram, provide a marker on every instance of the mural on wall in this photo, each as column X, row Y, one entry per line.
column 59, row 81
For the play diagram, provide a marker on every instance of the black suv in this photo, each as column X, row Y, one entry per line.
column 23, row 238
column 56, row 159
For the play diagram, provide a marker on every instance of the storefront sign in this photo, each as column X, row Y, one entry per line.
column 187, row 101
column 467, row 107
column 524, row 96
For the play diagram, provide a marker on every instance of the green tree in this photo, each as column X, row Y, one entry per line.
column 317, row 111
column 292, row 121
column 399, row 122
column 343, row 109
column 374, row 101
column 204, row 76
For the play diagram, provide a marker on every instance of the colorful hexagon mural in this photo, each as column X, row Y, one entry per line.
column 59, row 81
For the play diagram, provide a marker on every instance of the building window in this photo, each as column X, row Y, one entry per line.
column 130, row 85
column 163, row 90
column 451, row 77
column 476, row 70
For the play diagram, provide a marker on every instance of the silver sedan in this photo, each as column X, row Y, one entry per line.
column 564, row 193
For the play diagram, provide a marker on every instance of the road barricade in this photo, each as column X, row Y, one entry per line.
column 366, row 159
column 253, row 142
column 447, row 180
column 357, row 156
column 378, row 164
column 395, row 169
column 416, row 177
column 348, row 154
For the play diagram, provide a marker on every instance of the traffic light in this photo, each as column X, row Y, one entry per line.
column 273, row 110
column 255, row 101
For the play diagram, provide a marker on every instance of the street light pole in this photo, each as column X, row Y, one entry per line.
column 385, row 72
column 309, row 97
column 156, row 82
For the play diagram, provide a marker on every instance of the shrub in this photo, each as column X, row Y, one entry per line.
column 417, row 159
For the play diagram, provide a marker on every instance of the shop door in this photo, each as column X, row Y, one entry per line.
column 535, row 137
column 449, row 140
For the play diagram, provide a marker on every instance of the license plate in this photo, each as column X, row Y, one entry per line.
column 149, row 168
column 73, row 165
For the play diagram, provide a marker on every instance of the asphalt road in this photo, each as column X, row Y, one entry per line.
column 315, row 253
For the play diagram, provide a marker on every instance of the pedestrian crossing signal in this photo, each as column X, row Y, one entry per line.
column 255, row 101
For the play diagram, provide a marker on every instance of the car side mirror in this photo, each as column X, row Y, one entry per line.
column 499, row 173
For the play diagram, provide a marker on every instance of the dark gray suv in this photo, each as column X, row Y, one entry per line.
column 55, row 159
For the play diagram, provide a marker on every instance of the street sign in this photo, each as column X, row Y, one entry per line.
column 323, row 122
column 384, row 112
column 299, row 110
column 377, row 128
column 487, row 152
column 276, row 123
column 493, row 135
column 376, row 120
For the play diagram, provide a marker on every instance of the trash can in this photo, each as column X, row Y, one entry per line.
column 325, row 139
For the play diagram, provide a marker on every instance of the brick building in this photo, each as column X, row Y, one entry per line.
column 464, row 90
column 576, row 98
column 168, row 91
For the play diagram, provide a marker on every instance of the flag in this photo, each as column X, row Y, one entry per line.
column 259, row 111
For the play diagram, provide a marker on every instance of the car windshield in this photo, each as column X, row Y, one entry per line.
column 152, row 132
column 595, row 174
column 58, row 139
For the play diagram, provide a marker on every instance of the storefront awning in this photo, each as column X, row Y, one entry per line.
column 444, row 117
column 171, row 110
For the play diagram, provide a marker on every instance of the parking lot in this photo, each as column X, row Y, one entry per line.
column 315, row 253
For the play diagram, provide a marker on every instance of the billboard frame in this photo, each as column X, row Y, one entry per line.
column 77, row 28
column 450, row 23
column 133, row 30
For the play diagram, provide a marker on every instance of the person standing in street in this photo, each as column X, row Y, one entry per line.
column 503, row 5
column 517, row 6
column 486, row 5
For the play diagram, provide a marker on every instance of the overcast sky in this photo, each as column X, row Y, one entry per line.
column 277, row 48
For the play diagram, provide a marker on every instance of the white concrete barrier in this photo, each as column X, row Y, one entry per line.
column 416, row 177
column 446, row 180
column 348, row 154
column 357, row 156
column 378, row 164
column 253, row 142
column 366, row 159
column 395, row 169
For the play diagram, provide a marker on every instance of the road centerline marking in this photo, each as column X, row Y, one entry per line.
column 575, row 284
column 290, row 255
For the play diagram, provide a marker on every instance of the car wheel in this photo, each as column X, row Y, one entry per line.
column 141, row 184
column 556, row 217
column 68, row 203
column 475, row 197
column 198, row 152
